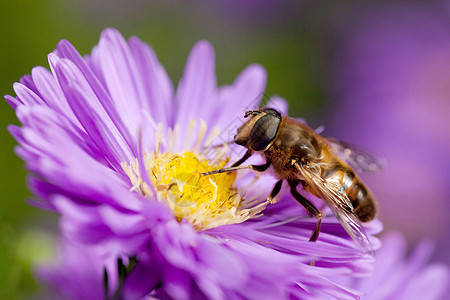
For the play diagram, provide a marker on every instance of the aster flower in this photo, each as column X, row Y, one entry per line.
column 395, row 277
column 78, row 273
column 117, row 152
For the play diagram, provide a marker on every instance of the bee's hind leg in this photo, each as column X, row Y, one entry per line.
column 309, row 206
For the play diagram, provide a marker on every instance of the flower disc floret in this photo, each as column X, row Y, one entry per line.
column 204, row 201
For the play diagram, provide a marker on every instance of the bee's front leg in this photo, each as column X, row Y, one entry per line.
column 259, row 168
column 243, row 158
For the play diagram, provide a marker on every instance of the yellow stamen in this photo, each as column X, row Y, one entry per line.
column 204, row 201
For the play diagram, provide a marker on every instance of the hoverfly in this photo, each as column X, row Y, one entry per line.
column 324, row 167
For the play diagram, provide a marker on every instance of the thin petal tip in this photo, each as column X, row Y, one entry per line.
column 203, row 48
column 110, row 34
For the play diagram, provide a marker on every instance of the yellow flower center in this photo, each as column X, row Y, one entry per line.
column 204, row 201
column 190, row 194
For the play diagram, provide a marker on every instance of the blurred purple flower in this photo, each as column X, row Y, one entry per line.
column 76, row 273
column 392, row 84
column 398, row 278
column 114, row 150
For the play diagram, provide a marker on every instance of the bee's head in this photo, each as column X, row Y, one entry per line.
column 260, row 130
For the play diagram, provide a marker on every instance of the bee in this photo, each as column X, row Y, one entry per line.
column 324, row 167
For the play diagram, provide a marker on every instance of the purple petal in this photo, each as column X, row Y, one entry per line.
column 52, row 93
column 13, row 102
column 91, row 115
column 122, row 79
column 28, row 81
column 141, row 163
column 157, row 85
column 66, row 50
column 142, row 280
column 436, row 276
column 197, row 86
column 79, row 274
column 279, row 104
column 245, row 93
column 120, row 223
column 27, row 96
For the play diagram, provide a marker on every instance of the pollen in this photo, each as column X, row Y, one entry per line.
column 188, row 193
column 204, row 201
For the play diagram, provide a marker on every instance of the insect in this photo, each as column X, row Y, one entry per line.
column 324, row 167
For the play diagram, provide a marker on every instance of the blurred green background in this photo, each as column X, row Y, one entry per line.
column 293, row 40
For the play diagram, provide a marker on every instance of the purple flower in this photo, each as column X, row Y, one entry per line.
column 114, row 149
column 395, row 277
column 78, row 274
column 398, row 278
column 392, row 77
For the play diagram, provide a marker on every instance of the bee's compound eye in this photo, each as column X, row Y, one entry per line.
column 263, row 132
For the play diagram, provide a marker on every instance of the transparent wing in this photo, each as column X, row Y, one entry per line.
column 357, row 158
column 339, row 204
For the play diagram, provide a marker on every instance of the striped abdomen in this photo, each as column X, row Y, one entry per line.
column 362, row 200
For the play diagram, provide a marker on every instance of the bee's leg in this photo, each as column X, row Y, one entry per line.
column 315, row 234
column 259, row 168
column 309, row 206
column 275, row 191
column 243, row 158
